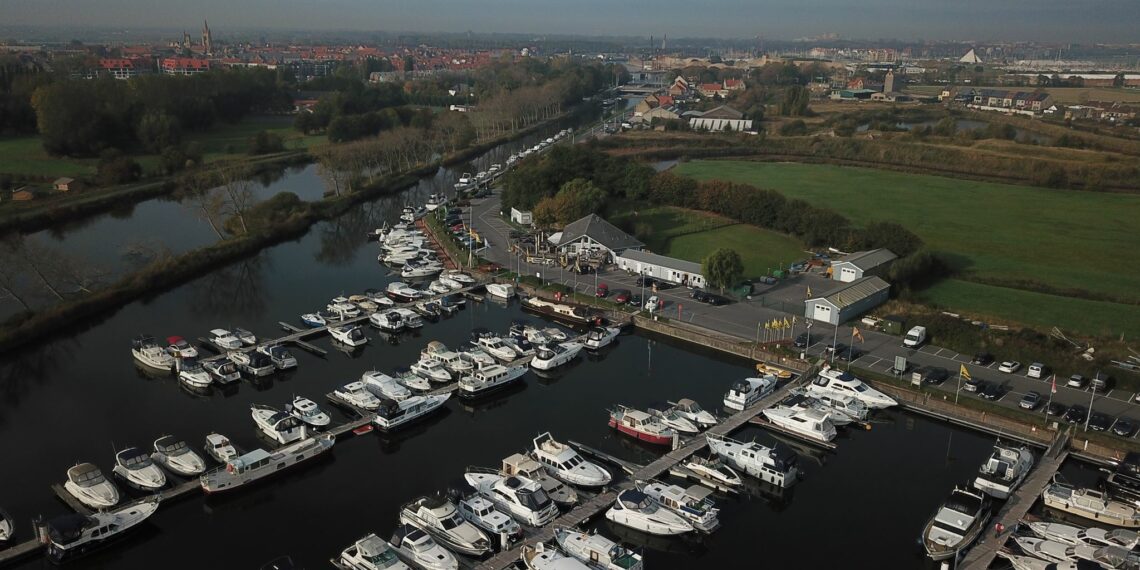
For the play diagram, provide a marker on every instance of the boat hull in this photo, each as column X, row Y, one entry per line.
column 640, row 435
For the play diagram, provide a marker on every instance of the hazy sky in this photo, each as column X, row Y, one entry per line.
column 1047, row 20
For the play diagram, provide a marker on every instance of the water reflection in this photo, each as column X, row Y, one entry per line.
column 234, row 290
column 31, row 367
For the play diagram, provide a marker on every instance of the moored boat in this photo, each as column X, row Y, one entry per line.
column 281, row 356
column 418, row 547
column 350, row 335
column 601, row 337
column 597, row 551
column 714, row 470
column 431, row 369
column 173, row 454
column 501, row 290
column 70, row 536
column 639, row 511
column 391, row 414
column 693, row 412
column 693, row 503
column 371, row 553
column 223, row 370
column 775, row 465
column 640, row 425
column 833, row 381
column 224, row 339
column 86, row 483
column 308, row 412
column 666, row 414
column 355, row 394
column 147, row 352
column 439, row 517
column 1004, row 470
column 747, row 392
column 1090, row 504
column 520, row 497
column 260, row 463
column 136, row 468
column 526, row 466
column 553, row 355
column 565, row 463
column 279, row 426
column 1070, row 534
column 219, row 447
column 956, row 524
column 483, row 514
column 808, row 424
column 570, row 313
column 489, row 379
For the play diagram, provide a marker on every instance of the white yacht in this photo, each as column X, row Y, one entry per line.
column 438, row 287
column 371, row 553
column 7, row 529
column 261, row 463
column 850, row 406
column 806, row 402
column 460, row 277
column 451, row 284
column 483, row 514
column 412, row 270
column 526, row 466
column 465, row 179
column 451, row 360
column 520, row 497
column 1061, row 553
column 1090, row 504
column 501, row 290
column 402, row 293
column 565, row 463
column 542, row 557
column 666, row 414
column 72, row 535
column 412, row 381
column 597, row 551
column 489, row 379
column 747, row 392
column 173, row 454
column 956, row 524
column 308, row 412
column 224, row 339
column 384, row 386
column 431, row 369
column 223, row 370
column 1069, row 534
column 693, row 504
column 247, row 338
column 550, row 356
column 438, row 517
column 387, row 321
column 147, row 352
column 476, row 357
column 434, row 201
column 1005, row 469
column 639, row 511
column 809, row 424
column 417, row 547
column 411, row 318
column 351, row 335
column 355, row 394
column 86, row 483
column 693, row 412
column 137, row 469
column 281, row 357
column 219, row 447
column 1018, row 562
column 775, row 465
column 314, row 320
column 832, row 381
column 179, row 347
column 714, row 470
column 391, row 414
column 277, row 425
column 193, row 374
column 601, row 337
column 495, row 346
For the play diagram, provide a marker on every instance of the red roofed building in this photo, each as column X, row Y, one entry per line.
column 184, row 66
column 118, row 67
column 734, row 84
column 712, row 89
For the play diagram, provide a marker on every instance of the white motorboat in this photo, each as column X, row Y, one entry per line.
column 219, row 447
column 7, row 528
column 1018, row 562
column 431, row 369
column 411, row 381
column 809, row 424
column 639, row 511
column 520, row 497
column 747, row 392
column 253, row 363
column 314, row 320
column 832, row 381
column 550, row 356
column 483, row 514
column 521, row 346
column 418, row 547
column 693, row 412
column 450, row 360
column 501, row 290
column 601, row 337
column 438, row 517
column 260, row 463
column 956, row 524
column 666, row 414
column 179, row 347
column 223, row 370
column 343, row 309
column 355, row 394
column 465, row 179
column 350, row 335
column 392, row 414
column 1061, row 553
column 279, row 426
column 387, row 321
column 1069, row 534
column 147, row 352
column 775, row 465
column 1005, row 469
column 173, row 454
column 525, row 465
column 364, row 303
column 489, row 379
column 136, row 468
column 371, row 553
column 413, row 270
column 401, row 292
column 693, row 504
column 476, row 357
column 225, row 339
column 438, row 287
column 565, row 463
column 384, row 386
column 597, row 551
column 411, row 319
column 86, row 483
column 434, row 201
column 714, row 470
column 69, row 536
column 495, row 346
column 380, row 299
column 247, row 338
column 807, row 402
column 1090, row 504
column 850, row 406
column 281, row 357
column 542, row 557
column 460, row 277
column 450, row 283
column 193, row 374
column 308, row 412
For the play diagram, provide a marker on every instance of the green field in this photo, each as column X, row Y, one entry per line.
column 690, row 235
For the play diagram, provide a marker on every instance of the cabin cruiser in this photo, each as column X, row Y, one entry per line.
column 7, row 529
column 489, row 379
column 431, row 369
column 438, row 517
column 350, row 335
column 223, row 370
column 387, row 321
column 956, row 524
column 434, row 201
column 260, row 463
column 1018, row 562
column 400, row 292
column 1061, row 553
column 597, row 551
column 465, row 179
column 550, row 356
column 745, row 393
column 1090, row 504
column 193, row 374
column 137, row 469
column 1069, row 534
column 483, row 514
column 476, row 357
column 173, row 454
column 355, row 394
column 693, row 412
column 522, row 498
column 525, row 465
column 775, row 465
column 69, row 536
column 411, row 381
column 147, row 352
column 451, row 284
column 565, row 463
column 281, row 356
column 86, row 483
column 371, row 553
column 809, row 424
column 849, row 406
column 430, row 310
column 639, row 511
column 391, row 414
column 380, row 299
column 402, row 255
column 601, row 337
column 413, row 269
column 219, row 447
column 495, row 346
column 307, row 411
column 460, row 277
column 714, row 470
column 178, row 347
column 805, row 402
column 247, row 338
column 832, row 381
column 640, row 425
column 451, row 303
column 438, row 287
column 693, row 504
column 225, row 339
column 314, row 320
column 1123, row 482
column 521, row 346
column 363, row 302
column 417, row 547
column 343, row 309
column 450, row 360
column 578, row 315
column 501, row 290
column 410, row 318
column 666, row 414
column 542, row 557
column 1005, row 469
column 253, row 362
column 384, row 386
column 279, row 426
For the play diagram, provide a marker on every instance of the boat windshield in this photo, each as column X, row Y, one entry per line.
column 451, row 522
column 87, row 477
column 385, row 559
column 535, row 500
column 135, row 459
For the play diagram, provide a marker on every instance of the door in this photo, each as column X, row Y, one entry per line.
column 822, row 313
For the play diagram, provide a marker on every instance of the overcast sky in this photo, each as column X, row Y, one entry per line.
column 1046, row 20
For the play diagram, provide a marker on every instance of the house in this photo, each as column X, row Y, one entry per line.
column 523, row 218
column 862, row 264
column 23, row 194
column 184, row 66
column 664, row 113
column 849, row 301
column 593, row 234
column 679, row 88
column 712, row 90
column 67, row 184
column 120, row 67
column 733, row 84
column 661, row 267
column 1013, row 102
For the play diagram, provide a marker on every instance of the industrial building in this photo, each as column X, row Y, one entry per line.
column 849, row 301
column 863, row 264
column 661, row 267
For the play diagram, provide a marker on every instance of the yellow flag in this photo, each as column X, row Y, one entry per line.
column 855, row 333
column 787, row 325
column 965, row 373
column 809, row 292
column 768, row 326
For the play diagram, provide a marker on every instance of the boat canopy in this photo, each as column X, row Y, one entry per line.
column 170, row 445
column 132, row 457
column 85, row 475
column 68, row 528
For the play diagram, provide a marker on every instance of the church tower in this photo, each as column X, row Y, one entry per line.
column 207, row 40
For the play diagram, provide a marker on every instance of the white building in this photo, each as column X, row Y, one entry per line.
column 849, row 301
column 862, row 264
column 593, row 234
column 522, row 218
column 661, row 267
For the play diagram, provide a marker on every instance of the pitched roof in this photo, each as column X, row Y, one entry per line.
column 722, row 112
column 663, row 261
column 869, row 259
column 599, row 230
column 64, row 180
column 854, row 292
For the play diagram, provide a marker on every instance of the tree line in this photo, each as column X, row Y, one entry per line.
column 544, row 176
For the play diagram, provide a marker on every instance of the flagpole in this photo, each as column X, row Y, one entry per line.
column 959, row 390
column 834, row 339
column 1052, row 388
column 851, row 349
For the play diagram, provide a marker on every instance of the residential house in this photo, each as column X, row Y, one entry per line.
column 712, row 90
column 184, row 66
column 67, row 184
column 23, row 194
column 120, row 67
column 734, row 84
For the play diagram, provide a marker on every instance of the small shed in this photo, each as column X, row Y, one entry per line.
column 849, row 301
column 862, row 264
column 522, row 218
column 66, row 184
column 661, row 267
column 23, row 194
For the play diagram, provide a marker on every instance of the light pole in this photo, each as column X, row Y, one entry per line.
column 1091, row 397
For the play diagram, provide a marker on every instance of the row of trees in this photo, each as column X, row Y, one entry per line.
column 542, row 177
column 31, row 271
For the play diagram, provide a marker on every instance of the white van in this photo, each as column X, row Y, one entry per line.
column 915, row 337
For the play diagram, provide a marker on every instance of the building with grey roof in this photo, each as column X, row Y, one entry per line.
column 661, row 267
column 849, row 301
column 593, row 233
column 863, row 264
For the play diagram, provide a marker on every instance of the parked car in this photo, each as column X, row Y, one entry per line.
column 1099, row 422
column 974, row 385
column 697, row 295
column 635, row 301
column 1036, row 370
column 715, row 300
column 835, row 348
column 1030, row 401
column 934, row 375
column 602, row 291
column 1076, row 414
column 1123, row 427
column 849, row 354
column 621, row 295
column 993, row 391
column 645, row 281
column 802, row 340
column 982, row 359
column 1009, row 366
column 1055, row 409
column 652, row 303
column 1099, row 382
column 1076, row 381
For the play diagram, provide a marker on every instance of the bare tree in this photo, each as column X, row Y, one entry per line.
column 238, row 193
column 205, row 200
column 34, row 257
